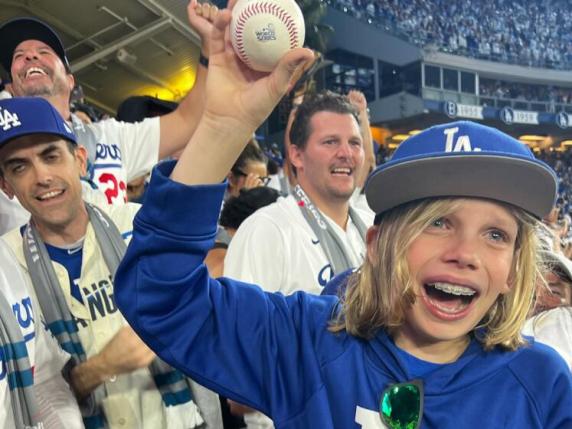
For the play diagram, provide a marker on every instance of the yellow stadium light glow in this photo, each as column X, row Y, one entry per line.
column 531, row 138
column 566, row 143
column 400, row 137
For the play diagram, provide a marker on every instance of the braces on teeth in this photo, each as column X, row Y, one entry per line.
column 453, row 289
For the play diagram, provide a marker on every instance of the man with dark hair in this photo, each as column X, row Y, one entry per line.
column 299, row 242
column 33, row 54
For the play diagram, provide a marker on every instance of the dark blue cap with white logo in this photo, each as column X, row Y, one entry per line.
column 463, row 159
column 23, row 116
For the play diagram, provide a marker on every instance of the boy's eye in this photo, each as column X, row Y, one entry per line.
column 498, row 235
column 439, row 223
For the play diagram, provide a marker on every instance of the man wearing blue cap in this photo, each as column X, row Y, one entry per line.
column 70, row 250
column 117, row 152
column 428, row 332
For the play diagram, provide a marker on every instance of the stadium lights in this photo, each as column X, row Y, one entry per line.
column 566, row 143
column 531, row 138
column 400, row 137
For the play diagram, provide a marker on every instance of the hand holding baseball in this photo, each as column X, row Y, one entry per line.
column 262, row 31
column 238, row 100
column 234, row 91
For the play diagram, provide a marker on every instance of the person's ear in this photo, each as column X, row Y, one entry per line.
column 71, row 81
column 81, row 157
column 5, row 186
column 295, row 156
column 371, row 243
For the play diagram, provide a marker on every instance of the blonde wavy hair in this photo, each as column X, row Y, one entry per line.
column 381, row 291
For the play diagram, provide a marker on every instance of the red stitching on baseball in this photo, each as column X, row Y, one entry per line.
column 263, row 7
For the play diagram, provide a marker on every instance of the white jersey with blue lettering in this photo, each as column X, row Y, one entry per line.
column 124, row 152
column 57, row 405
column 277, row 249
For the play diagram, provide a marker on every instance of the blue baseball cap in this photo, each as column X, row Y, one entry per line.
column 17, row 30
column 463, row 159
column 23, row 116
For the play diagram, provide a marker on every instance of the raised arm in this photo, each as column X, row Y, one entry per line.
column 238, row 101
column 204, row 327
column 359, row 101
column 178, row 126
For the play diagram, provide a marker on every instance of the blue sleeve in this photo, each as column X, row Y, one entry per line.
column 235, row 339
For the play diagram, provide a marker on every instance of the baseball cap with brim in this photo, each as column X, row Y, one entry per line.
column 558, row 260
column 22, row 116
column 17, row 30
column 463, row 159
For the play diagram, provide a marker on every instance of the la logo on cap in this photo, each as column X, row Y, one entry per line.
column 463, row 143
column 8, row 119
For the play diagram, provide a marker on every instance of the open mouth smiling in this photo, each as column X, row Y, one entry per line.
column 49, row 195
column 34, row 71
column 448, row 298
column 343, row 171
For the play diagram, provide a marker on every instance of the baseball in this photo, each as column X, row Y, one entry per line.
column 262, row 31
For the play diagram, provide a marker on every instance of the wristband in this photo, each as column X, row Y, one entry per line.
column 203, row 60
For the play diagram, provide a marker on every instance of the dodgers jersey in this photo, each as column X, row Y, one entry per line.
column 124, row 152
column 277, row 249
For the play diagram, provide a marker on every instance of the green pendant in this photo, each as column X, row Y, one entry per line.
column 401, row 406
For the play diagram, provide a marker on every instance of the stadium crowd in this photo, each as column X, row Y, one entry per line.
column 87, row 348
column 534, row 33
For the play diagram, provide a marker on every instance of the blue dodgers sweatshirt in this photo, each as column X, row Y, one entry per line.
column 274, row 353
